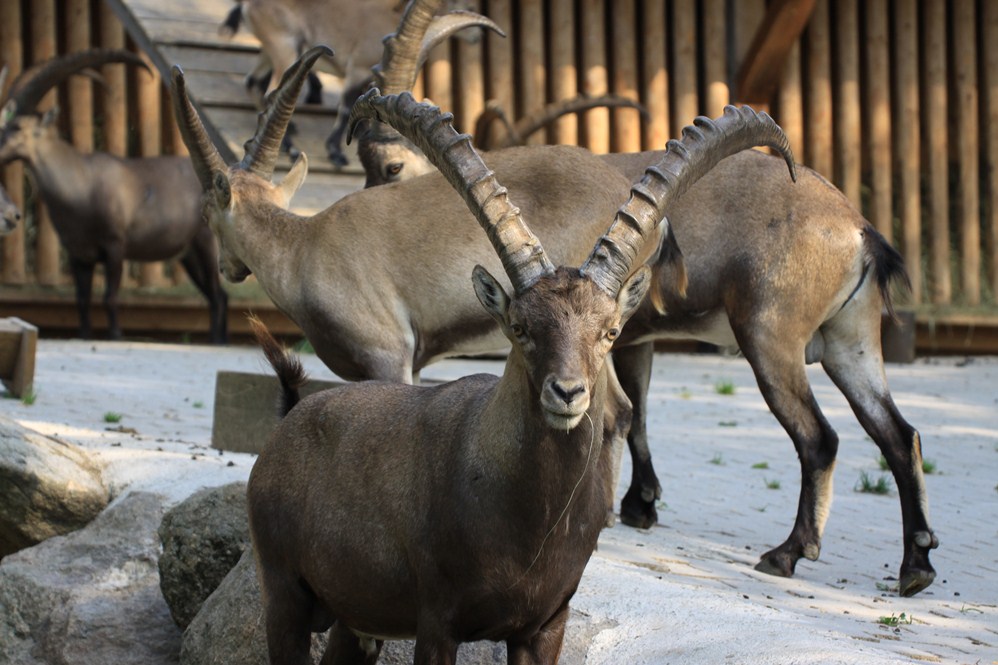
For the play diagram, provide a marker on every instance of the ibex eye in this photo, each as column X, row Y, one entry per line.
column 612, row 333
column 394, row 169
column 517, row 330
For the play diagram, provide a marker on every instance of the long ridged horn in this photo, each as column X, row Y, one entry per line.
column 204, row 154
column 263, row 149
column 704, row 144
column 32, row 84
column 520, row 251
column 518, row 132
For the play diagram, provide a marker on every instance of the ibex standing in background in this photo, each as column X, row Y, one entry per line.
column 106, row 209
column 790, row 274
column 465, row 511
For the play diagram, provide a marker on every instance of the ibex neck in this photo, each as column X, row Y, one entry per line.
column 269, row 239
column 62, row 172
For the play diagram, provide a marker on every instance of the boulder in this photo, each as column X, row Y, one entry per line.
column 48, row 487
column 90, row 597
column 203, row 538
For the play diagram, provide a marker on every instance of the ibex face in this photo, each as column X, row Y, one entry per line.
column 562, row 328
column 389, row 159
column 22, row 134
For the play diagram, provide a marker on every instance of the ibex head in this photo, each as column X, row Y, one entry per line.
column 20, row 123
column 247, row 182
column 386, row 155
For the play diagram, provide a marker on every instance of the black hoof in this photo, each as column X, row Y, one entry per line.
column 914, row 581
column 777, row 562
column 636, row 512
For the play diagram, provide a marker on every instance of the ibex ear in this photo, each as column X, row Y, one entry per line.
column 491, row 294
column 295, row 177
column 632, row 293
column 221, row 188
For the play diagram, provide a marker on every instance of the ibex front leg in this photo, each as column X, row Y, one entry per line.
column 545, row 647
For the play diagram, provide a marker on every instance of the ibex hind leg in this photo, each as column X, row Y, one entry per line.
column 855, row 364
column 288, row 614
column 201, row 263
column 83, row 280
column 544, row 648
column 779, row 370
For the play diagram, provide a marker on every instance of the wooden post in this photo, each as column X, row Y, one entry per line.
column 626, row 122
column 564, row 72
column 818, row 143
column 968, row 141
column 791, row 103
column 991, row 114
column 654, row 74
column 533, row 77
column 715, row 53
column 80, row 107
column 878, row 104
column 149, row 88
column 595, row 124
column 499, row 82
column 43, row 35
column 685, row 101
column 907, row 147
column 13, row 255
column 113, row 104
column 847, row 106
column 471, row 101
column 934, row 54
column 439, row 76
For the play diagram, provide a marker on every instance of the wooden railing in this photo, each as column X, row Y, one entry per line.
column 894, row 102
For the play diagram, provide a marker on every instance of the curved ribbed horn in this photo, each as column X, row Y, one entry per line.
column 528, row 124
column 263, row 149
column 204, row 154
column 704, row 144
column 520, row 251
column 32, row 84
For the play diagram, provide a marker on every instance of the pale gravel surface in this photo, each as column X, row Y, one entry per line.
column 684, row 591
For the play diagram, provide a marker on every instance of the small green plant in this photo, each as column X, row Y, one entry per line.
column 727, row 423
column 895, row 620
column 882, row 485
column 773, row 484
column 198, row 404
column 761, row 465
column 717, row 459
column 928, row 467
column 724, row 387
column 112, row 417
column 882, row 463
column 29, row 397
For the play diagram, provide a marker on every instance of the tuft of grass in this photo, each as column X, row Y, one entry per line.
column 928, row 466
column 761, row 465
column 112, row 417
column 895, row 620
column 882, row 485
column 724, row 387
column 773, row 484
column 727, row 423
column 882, row 463
column 717, row 459
column 198, row 404
column 29, row 397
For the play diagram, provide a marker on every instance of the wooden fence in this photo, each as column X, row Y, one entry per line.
column 896, row 102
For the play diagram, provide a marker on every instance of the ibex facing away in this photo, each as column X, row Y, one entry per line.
column 788, row 274
column 106, row 209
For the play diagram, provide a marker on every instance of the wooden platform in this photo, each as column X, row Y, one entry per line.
column 185, row 33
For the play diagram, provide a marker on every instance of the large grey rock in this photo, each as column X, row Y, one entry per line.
column 47, row 487
column 91, row 597
column 230, row 629
column 203, row 538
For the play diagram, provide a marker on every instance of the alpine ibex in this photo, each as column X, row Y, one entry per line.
column 10, row 214
column 465, row 511
column 787, row 273
column 106, row 209
column 353, row 29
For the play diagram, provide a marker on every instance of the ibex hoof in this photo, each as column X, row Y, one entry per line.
column 914, row 581
column 778, row 563
column 635, row 511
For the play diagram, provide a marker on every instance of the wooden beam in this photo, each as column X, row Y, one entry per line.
column 933, row 48
column 655, row 74
column 595, row 78
column 967, row 144
column 908, row 139
column 878, row 104
column 760, row 71
column 626, row 122
column 11, row 46
column 564, row 70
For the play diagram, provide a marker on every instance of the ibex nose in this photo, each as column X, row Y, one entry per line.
column 567, row 391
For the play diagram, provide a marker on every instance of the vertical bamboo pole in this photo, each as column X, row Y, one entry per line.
column 791, row 102
column 878, row 104
column 148, row 88
column 968, row 140
column 595, row 123
column 654, row 74
column 847, row 106
column 934, row 46
column 471, row 101
column 818, row 143
column 626, row 122
column 564, row 72
column 991, row 114
column 533, row 77
column 439, row 76
column 715, row 57
column 500, row 50
column 113, row 103
column 907, row 139
column 43, row 46
column 11, row 46
column 685, row 101
column 80, row 107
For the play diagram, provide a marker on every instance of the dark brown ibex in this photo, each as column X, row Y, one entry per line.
column 106, row 209
column 788, row 274
column 465, row 511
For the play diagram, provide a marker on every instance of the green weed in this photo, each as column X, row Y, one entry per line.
column 717, row 459
column 895, row 620
column 724, row 387
column 761, row 465
column 882, row 485
column 112, row 417
column 773, row 484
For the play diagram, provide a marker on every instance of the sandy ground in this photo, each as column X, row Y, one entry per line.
column 684, row 591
